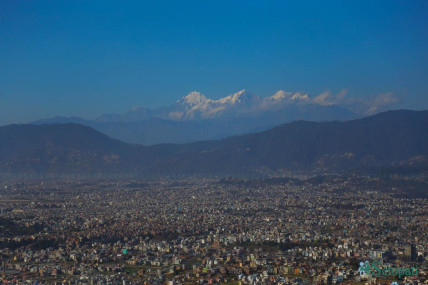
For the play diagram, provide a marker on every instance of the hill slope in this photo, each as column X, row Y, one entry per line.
column 388, row 139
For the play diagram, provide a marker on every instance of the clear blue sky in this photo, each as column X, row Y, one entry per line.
column 85, row 58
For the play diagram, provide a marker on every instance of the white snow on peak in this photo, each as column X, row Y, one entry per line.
column 280, row 94
column 234, row 98
column 283, row 95
column 300, row 96
column 194, row 98
column 195, row 104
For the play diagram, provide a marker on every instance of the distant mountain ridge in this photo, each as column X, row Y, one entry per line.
column 195, row 117
column 394, row 138
column 195, row 106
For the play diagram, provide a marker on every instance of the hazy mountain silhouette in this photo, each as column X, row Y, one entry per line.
column 393, row 138
column 195, row 117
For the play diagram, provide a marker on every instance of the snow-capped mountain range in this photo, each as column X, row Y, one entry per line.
column 195, row 105
column 195, row 117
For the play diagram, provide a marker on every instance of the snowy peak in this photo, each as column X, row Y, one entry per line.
column 195, row 105
column 279, row 95
column 289, row 96
column 194, row 98
column 242, row 96
column 293, row 105
column 300, row 96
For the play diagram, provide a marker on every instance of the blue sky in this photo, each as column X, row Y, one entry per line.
column 85, row 58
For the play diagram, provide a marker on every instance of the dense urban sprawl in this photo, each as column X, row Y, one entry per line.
column 210, row 231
